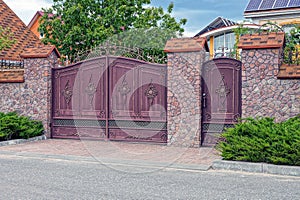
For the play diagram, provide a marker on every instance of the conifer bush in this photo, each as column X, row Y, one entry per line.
column 13, row 126
column 262, row 140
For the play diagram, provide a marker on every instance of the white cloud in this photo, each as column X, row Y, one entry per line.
column 26, row 9
column 190, row 13
column 189, row 33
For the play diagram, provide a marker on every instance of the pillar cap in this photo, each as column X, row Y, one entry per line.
column 262, row 40
column 39, row 52
column 191, row 44
column 289, row 71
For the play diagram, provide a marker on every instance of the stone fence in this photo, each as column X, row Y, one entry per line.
column 28, row 90
column 269, row 88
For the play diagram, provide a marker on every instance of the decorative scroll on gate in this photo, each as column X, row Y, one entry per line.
column 109, row 97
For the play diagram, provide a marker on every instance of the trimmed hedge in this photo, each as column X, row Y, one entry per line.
column 13, row 126
column 262, row 140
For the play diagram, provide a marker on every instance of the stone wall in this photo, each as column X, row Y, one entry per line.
column 263, row 94
column 32, row 97
column 184, row 98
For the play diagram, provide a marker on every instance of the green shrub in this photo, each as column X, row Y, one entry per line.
column 13, row 126
column 262, row 140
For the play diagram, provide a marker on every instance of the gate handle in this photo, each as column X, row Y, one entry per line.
column 204, row 100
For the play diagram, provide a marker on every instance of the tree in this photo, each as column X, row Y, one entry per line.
column 79, row 25
column 6, row 38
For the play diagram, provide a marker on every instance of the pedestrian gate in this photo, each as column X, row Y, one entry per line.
column 221, row 97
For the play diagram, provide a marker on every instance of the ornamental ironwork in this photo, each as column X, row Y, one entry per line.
column 11, row 64
column 124, row 89
column 223, row 90
column 269, row 27
column 111, row 49
column 67, row 92
column 90, row 90
column 151, row 92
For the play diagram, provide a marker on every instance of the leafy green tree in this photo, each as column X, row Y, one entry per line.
column 79, row 25
column 6, row 38
column 292, row 46
column 238, row 31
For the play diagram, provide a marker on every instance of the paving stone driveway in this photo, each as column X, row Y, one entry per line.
column 118, row 151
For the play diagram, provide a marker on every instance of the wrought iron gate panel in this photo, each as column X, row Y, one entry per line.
column 221, row 97
column 93, row 82
column 63, row 88
column 134, row 86
column 152, row 93
column 112, row 98
column 122, row 83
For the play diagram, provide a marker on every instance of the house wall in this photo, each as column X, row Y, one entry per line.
column 35, row 26
column 282, row 22
column 279, row 17
column 263, row 93
column 33, row 96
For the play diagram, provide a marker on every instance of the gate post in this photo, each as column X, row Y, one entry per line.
column 185, row 59
column 270, row 88
column 35, row 94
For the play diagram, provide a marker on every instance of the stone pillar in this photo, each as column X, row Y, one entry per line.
column 32, row 96
column 185, row 58
column 264, row 92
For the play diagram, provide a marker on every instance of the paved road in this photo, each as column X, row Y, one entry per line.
column 51, row 178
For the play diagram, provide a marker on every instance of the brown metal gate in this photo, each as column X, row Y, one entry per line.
column 109, row 97
column 221, row 97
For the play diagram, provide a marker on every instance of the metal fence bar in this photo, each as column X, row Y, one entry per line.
column 11, row 64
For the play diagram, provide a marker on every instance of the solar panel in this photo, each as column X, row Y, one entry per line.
column 253, row 5
column 267, row 4
column 294, row 3
column 281, row 3
column 256, row 5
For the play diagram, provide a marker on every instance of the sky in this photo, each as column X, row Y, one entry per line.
column 199, row 13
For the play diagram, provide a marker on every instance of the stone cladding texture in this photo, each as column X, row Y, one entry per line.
column 33, row 97
column 263, row 94
column 184, row 102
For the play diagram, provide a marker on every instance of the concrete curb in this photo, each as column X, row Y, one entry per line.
column 257, row 167
column 21, row 141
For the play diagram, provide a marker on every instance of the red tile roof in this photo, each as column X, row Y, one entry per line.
column 24, row 37
column 186, row 45
column 261, row 40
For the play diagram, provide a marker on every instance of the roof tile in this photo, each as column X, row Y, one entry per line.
column 24, row 37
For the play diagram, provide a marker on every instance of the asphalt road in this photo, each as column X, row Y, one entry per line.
column 46, row 178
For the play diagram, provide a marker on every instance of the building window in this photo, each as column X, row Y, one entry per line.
column 219, row 42
column 41, row 34
column 229, row 40
column 224, row 43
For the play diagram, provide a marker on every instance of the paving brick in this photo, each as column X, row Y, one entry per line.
column 118, row 150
